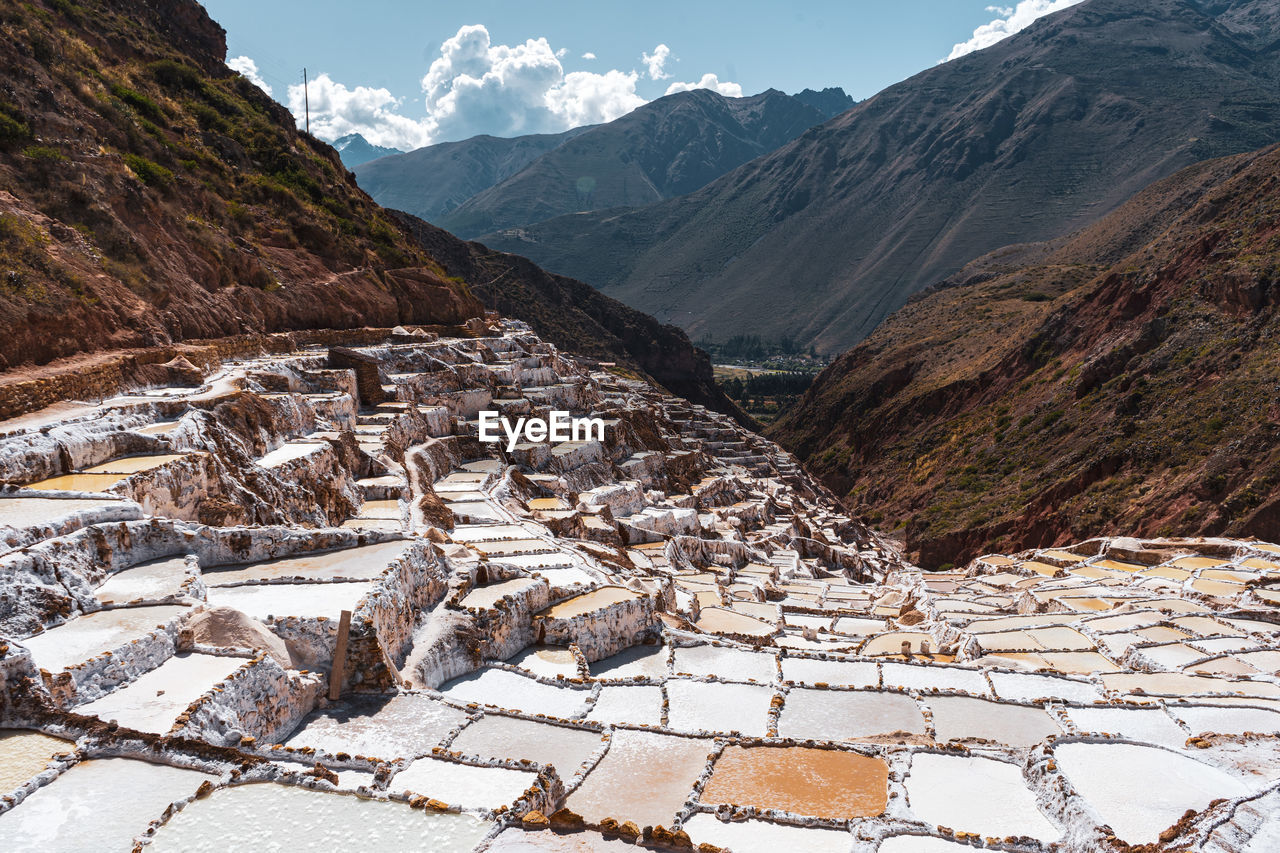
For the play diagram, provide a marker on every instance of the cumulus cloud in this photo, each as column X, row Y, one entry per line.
column 475, row 86
column 249, row 70
column 656, row 62
column 588, row 55
column 373, row 113
column 708, row 81
column 1009, row 20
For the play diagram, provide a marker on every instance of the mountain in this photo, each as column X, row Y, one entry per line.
column 1035, row 136
column 432, row 181
column 153, row 195
column 1122, row 380
column 830, row 101
column 668, row 147
column 354, row 149
column 665, row 148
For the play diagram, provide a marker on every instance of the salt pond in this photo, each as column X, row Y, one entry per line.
column 644, row 777
column 1142, row 790
column 282, row 817
column 96, row 805
column 152, row 702
column 94, row 633
column 401, row 726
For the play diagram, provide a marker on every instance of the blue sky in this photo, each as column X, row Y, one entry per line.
column 517, row 66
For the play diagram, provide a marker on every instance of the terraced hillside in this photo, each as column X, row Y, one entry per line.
column 297, row 596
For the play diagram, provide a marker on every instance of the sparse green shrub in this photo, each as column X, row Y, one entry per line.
column 150, row 173
column 140, row 102
column 43, row 153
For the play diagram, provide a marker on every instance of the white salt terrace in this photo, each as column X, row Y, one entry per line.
column 1057, row 696
column 94, row 633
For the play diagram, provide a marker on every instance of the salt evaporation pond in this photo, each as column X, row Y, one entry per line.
column 24, row 754
column 643, row 661
column 27, row 512
column 94, row 633
column 979, row 795
column 711, row 706
column 1022, row 687
column 589, row 602
column 1150, row 725
column 487, row 596
column 1232, row 721
column 402, row 726
column 134, row 464
column 924, row 677
column 263, row 601
column 78, row 483
column 718, row 620
column 462, row 784
column 848, row 714
column 150, row 581
column 363, row 563
column 517, row 840
column 514, row 692
column 496, row 736
column 844, row 673
column 152, row 702
column 546, row 661
column 920, row 844
column 639, row 705
column 1142, row 790
column 644, row 777
column 824, row 783
column 97, row 805
column 759, row 836
column 727, row 663
column 273, row 817
column 963, row 718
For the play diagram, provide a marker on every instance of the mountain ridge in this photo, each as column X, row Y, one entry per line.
column 1084, row 107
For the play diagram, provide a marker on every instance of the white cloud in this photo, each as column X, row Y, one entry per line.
column 708, row 81
column 337, row 111
column 479, row 87
column 249, row 70
column 1008, row 21
column 588, row 55
column 657, row 61
column 475, row 87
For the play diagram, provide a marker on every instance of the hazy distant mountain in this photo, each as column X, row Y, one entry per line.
column 354, row 149
column 1040, row 134
column 430, row 182
column 668, row 147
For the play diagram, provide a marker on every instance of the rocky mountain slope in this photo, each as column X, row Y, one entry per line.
column 432, row 181
column 1040, row 134
column 666, row 148
column 354, row 149
column 152, row 195
column 1124, row 378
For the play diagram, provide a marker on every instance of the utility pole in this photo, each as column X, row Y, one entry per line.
column 306, row 99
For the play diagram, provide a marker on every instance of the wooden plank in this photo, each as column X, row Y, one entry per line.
column 339, row 656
